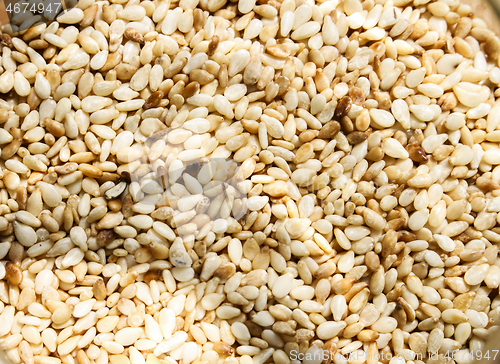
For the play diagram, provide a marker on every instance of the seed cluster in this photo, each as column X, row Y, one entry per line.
column 213, row 182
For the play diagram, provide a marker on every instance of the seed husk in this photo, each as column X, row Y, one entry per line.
column 13, row 274
column 329, row 130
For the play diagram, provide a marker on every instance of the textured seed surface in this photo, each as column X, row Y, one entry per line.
column 207, row 182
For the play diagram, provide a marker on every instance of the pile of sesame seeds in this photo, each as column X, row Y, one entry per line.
column 213, row 182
